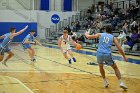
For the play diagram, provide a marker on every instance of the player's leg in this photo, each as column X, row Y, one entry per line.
column 100, row 61
column 117, row 71
column 102, row 71
column 118, row 74
column 1, row 57
column 71, row 54
column 66, row 56
column 29, row 50
column 109, row 61
column 33, row 54
column 1, row 54
column 10, row 55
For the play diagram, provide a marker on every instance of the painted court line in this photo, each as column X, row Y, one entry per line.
column 28, row 89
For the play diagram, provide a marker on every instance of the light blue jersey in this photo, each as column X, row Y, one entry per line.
column 4, row 45
column 104, row 49
column 6, row 40
column 30, row 38
column 105, row 43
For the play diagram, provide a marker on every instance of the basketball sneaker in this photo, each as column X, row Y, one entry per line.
column 74, row 59
column 70, row 61
column 106, row 83
column 122, row 85
column 4, row 63
column 33, row 60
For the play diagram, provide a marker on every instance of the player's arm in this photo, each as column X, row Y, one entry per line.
column 59, row 43
column 37, row 42
column 73, row 42
column 119, row 48
column 27, row 41
column 20, row 32
column 92, row 36
column 3, row 36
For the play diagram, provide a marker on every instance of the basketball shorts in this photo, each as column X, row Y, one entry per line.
column 105, row 58
column 26, row 46
column 3, row 50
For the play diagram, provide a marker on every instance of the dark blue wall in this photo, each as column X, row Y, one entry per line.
column 44, row 5
column 5, row 28
column 67, row 5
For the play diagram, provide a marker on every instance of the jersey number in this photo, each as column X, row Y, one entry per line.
column 106, row 40
column 65, row 42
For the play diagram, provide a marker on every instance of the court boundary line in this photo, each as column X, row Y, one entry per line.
column 42, row 81
column 22, row 84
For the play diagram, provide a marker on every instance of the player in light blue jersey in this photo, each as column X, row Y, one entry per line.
column 104, row 53
column 4, row 46
column 27, row 43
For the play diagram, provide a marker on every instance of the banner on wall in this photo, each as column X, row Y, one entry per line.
column 67, row 5
column 44, row 4
column 55, row 18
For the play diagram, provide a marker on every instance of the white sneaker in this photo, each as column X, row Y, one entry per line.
column 106, row 84
column 33, row 60
column 4, row 63
column 122, row 85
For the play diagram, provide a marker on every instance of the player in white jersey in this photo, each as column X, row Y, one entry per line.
column 64, row 45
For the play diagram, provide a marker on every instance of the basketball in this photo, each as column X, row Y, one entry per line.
column 78, row 47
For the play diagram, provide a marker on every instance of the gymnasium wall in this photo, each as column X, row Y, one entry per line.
column 84, row 4
column 45, row 19
column 18, row 16
column 126, row 3
column 53, row 5
column 40, row 17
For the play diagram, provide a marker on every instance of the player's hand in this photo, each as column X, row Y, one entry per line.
column 33, row 43
column 40, row 44
column 26, row 27
column 86, row 33
column 63, row 51
column 125, row 59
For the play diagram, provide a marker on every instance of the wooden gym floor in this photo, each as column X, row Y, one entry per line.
column 53, row 74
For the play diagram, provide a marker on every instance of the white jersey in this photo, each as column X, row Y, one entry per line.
column 65, row 43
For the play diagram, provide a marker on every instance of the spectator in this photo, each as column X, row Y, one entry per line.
column 68, row 29
column 125, row 28
column 134, row 37
column 134, row 26
column 73, row 27
column 81, row 38
column 89, row 11
column 114, row 22
column 98, row 26
column 128, row 44
column 77, row 25
column 74, row 37
column 121, row 37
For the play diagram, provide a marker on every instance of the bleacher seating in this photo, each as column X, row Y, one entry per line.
column 90, row 44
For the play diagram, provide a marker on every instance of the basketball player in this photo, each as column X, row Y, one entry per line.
column 27, row 43
column 64, row 45
column 4, row 46
column 104, row 53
